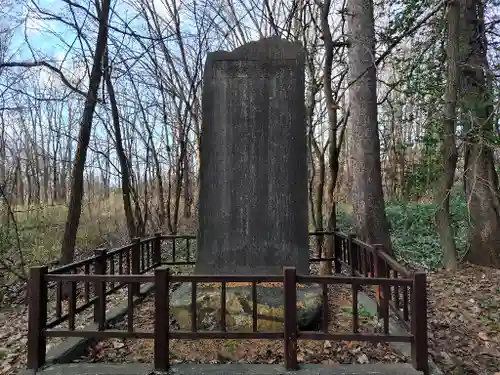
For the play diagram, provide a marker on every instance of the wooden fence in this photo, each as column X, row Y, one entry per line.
column 88, row 282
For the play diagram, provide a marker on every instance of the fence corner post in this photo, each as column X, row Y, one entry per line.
column 100, row 287
column 290, row 315
column 37, row 317
column 136, row 263
column 419, row 349
column 157, row 249
column 162, row 322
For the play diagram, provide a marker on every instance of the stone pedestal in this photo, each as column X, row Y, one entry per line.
column 239, row 308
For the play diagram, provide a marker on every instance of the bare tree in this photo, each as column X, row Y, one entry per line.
column 76, row 193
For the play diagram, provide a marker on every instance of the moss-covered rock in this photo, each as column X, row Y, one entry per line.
column 270, row 312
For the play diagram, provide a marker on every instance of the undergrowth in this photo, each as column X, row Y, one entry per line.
column 39, row 230
column 413, row 232
column 35, row 236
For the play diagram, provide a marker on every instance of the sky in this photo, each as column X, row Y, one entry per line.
column 45, row 37
column 48, row 40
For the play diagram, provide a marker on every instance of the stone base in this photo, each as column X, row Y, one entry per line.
column 270, row 309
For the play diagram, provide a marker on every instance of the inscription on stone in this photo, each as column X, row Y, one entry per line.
column 253, row 177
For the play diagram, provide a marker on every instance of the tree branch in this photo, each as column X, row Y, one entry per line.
column 32, row 64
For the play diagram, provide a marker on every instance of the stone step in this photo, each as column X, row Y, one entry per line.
column 227, row 369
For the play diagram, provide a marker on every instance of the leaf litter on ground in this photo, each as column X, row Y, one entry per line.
column 464, row 320
column 251, row 351
column 463, row 317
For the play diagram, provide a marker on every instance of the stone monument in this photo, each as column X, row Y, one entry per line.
column 253, row 177
column 253, row 199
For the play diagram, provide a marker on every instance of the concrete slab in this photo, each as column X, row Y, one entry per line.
column 226, row 369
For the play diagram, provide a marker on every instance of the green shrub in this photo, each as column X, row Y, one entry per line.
column 413, row 230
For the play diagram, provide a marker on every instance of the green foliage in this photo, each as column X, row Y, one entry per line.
column 413, row 231
column 7, row 238
column 405, row 13
column 362, row 312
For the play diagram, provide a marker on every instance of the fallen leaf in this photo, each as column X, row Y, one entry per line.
column 483, row 336
column 363, row 359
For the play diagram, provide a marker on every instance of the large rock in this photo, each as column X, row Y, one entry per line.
column 239, row 307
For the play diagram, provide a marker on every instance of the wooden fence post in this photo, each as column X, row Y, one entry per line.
column 136, row 264
column 161, row 344
column 157, row 249
column 380, row 271
column 100, row 288
column 337, row 253
column 419, row 348
column 290, row 315
column 37, row 317
column 353, row 255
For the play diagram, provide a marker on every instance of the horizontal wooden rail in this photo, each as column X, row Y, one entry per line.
column 102, row 278
column 226, row 278
column 120, row 249
column 72, row 266
column 353, row 280
column 393, row 264
column 363, row 244
column 178, row 236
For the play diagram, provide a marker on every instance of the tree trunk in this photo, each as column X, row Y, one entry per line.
column 319, row 193
column 20, row 184
column 122, row 158
column 76, row 194
column 480, row 177
column 333, row 150
column 448, row 151
column 188, row 195
column 28, row 181
column 367, row 195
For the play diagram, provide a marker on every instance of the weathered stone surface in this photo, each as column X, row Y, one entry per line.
column 239, row 307
column 253, row 175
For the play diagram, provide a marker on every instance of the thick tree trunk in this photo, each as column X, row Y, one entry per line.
column 480, row 177
column 76, row 194
column 367, row 195
column 449, row 151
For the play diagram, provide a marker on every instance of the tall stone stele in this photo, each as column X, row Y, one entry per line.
column 253, row 178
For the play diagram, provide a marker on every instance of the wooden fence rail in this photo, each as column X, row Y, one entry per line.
column 39, row 329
